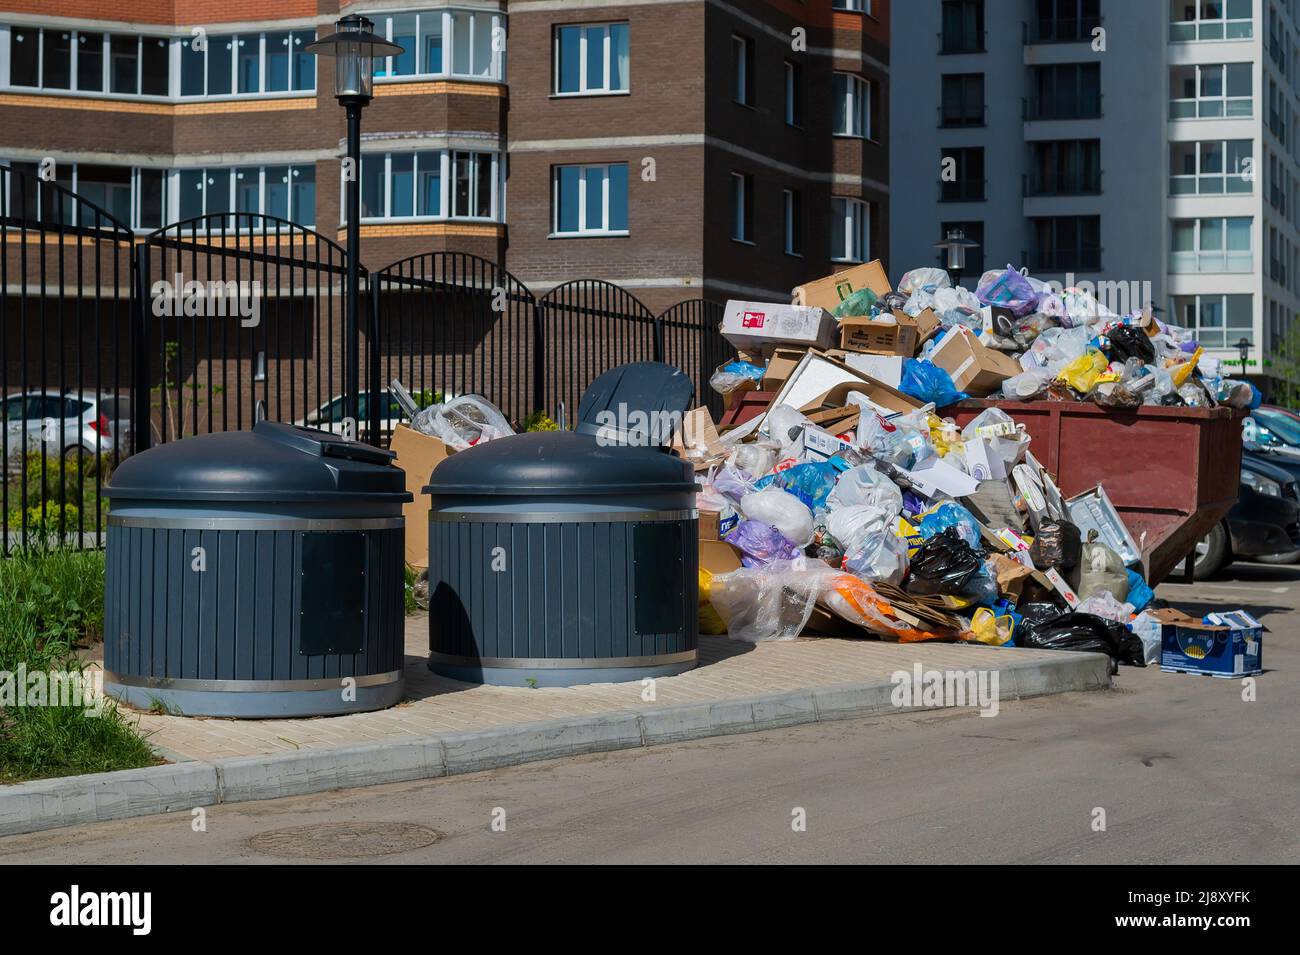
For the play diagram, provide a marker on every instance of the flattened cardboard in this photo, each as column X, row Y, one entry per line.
column 754, row 324
column 719, row 557
column 884, row 368
column 828, row 292
column 697, row 440
column 417, row 454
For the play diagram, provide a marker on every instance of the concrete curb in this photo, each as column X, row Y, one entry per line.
column 53, row 803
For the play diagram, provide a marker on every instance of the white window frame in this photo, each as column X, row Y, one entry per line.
column 855, row 230
column 1196, row 177
column 445, row 168
column 1224, row 100
column 496, row 70
column 857, row 109
column 1202, row 29
column 852, row 6
column 584, row 52
column 583, row 230
column 171, row 192
column 1215, row 261
column 1202, row 332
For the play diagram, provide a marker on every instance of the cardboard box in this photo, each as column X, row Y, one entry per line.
column 883, row 368
column 828, row 292
column 417, row 454
column 886, row 400
column 719, row 557
column 1222, row 644
column 752, row 324
column 976, row 370
column 697, row 440
column 875, row 336
column 780, row 366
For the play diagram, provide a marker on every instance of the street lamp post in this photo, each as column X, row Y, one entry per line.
column 1243, row 351
column 354, row 47
column 954, row 248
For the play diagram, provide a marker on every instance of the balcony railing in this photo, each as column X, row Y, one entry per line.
column 964, row 42
column 1034, row 111
column 1059, row 30
column 967, row 190
column 1211, row 184
column 1191, row 263
column 954, row 121
column 1033, row 184
column 1194, row 30
column 1223, row 107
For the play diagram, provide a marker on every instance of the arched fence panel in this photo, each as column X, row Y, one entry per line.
column 689, row 331
column 587, row 327
column 451, row 323
column 241, row 317
column 65, row 374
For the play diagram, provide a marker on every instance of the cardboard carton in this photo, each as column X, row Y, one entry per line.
column 780, row 366
column 885, row 368
column 719, row 557
column 876, row 336
column 697, row 440
column 750, row 325
column 828, row 292
column 417, row 454
column 976, row 370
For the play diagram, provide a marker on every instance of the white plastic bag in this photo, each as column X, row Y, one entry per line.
column 772, row 602
column 852, row 523
column 928, row 277
column 756, row 458
column 463, row 422
column 782, row 510
column 880, row 556
column 865, row 485
column 1010, row 448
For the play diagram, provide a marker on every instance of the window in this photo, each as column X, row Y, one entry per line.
column 852, row 6
column 1218, row 321
column 247, row 64
column 1211, row 245
column 850, row 229
column 966, row 183
column 963, row 26
column 1066, row 91
column 1211, row 168
column 442, row 43
column 430, row 183
column 134, row 197
column 1063, row 21
column 793, row 222
column 1066, row 244
column 793, row 94
column 1064, row 168
column 974, row 231
column 591, row 58
column 962, row 100
column 1210, row 20
column 287, row 192
column 1211, row 90
column 742, row 69
column 742, row 207
column 76, row 61
column 853, row 106
column 108, row 187
column 590, row 200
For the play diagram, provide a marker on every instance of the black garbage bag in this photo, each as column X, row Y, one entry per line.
column 1128, row 342
column 944, row 565
column 1081, row 631
column 1057, row 544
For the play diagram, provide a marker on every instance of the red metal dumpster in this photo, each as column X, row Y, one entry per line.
column 1172, row 473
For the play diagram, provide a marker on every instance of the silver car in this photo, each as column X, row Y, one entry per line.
column 66, row 422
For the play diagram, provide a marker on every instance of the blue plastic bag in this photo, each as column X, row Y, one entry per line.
column 949, row 514
column 752, row 371
column 812, row 483
column 926, row 382
column 1139, row 593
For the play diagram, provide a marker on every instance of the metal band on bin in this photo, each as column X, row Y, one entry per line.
column 560, row 517
column 562, row 663
column 251, row 686
column 259, row 523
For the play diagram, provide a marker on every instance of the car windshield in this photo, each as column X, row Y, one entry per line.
column 1284, row 426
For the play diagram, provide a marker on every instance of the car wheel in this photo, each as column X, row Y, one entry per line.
column 1212, row 553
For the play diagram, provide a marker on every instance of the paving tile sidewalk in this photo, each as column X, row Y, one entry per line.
column 728, row 670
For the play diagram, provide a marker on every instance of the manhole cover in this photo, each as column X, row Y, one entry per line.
column 343, row 840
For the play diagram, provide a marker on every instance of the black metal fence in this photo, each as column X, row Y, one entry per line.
column 114, row 342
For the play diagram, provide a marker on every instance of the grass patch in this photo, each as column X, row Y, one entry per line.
column 52, row 603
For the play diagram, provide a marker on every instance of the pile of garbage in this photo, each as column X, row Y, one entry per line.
column 1012, row 338
column 910, row 528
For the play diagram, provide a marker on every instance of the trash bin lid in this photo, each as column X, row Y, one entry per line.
column 559, row 463
column 638, row 403
column 273, row 462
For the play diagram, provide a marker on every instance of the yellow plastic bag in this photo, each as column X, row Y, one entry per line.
column 1082, row 373
column 986, row 628
column 910, row 535
column 944, row 435
column 710, row 620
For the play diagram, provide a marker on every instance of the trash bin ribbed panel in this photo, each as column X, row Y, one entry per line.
column 256, row 574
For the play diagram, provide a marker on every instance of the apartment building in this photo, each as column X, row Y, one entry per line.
column 678, row 148
column 1122, row 142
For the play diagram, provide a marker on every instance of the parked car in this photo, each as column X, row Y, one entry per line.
column 1274, row 429
column 330, row 415
column 66, row 422
column 1265, row 521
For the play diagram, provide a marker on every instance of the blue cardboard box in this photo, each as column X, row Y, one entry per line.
column 1228, row 644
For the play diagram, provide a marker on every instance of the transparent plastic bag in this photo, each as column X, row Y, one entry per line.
column 782, row 510
column 851, row 524
column 811, row 482
column 995, row 423
column 1102, row 603
column 896, row 441
column 772, row 602
column 1009, row 290
column 463, row 422
column 757, row 458
column 865, row 485
column 928, row 277
column 881, row 555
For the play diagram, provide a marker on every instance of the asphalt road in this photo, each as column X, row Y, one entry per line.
column 1183, row 768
